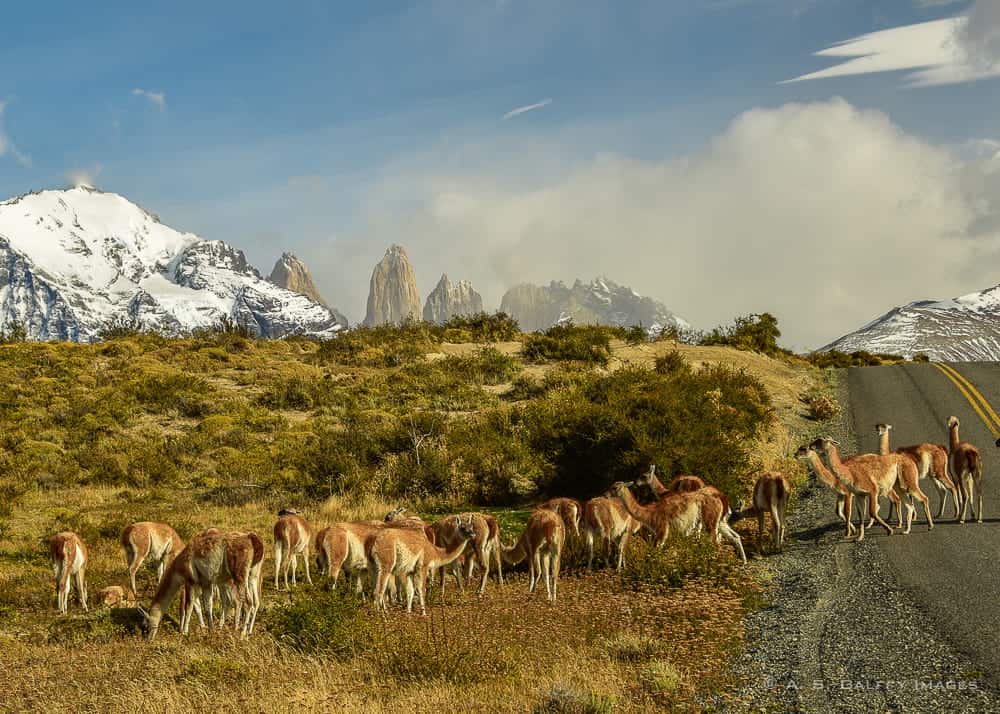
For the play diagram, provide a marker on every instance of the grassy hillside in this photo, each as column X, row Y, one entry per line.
column 222, row 431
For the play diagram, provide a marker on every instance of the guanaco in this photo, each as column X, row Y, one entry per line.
column 685, row 513
column 292, row 536
column 931, row 459
column 821, row 472
column 485, row 545
column 407, row 555
column 569, row 509
column 770, row 495
column 867, row 477
column 69, row 559
column 211, row 558
column 541, row 544
column 967, row 466
column 607, row 519
column 157, row 542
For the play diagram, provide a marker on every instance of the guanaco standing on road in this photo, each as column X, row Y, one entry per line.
column 770, row 495
column 931, row 459
column 967, row 467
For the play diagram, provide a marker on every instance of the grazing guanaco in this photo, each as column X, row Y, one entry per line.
column 569, row 509
column 931, row 459
column 157, row 542
column 685, row 513
column 406, row 554
column 292, row 536
column 691, row 484
column 69, row 559
column 770, row 495
column 211, row 558
column 484, row 546
column 967, row 466
column 541, row 543
column 607, row 519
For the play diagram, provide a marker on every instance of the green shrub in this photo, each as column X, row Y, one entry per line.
column 486, row 366
column 382, row 346
column 481, row 327
column 321, row 622
column 823, row 407
column 835, row 359
column 751, row 333
column 584, row 343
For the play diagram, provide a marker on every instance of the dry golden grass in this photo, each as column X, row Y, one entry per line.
column 603, row 645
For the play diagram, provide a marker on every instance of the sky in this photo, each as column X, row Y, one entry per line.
column 824, row 160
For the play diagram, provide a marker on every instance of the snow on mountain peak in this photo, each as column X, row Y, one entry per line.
column 80, row 257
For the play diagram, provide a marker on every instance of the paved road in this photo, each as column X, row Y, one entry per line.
column 952, row 572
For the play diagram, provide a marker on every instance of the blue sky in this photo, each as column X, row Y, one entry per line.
column 318, row 127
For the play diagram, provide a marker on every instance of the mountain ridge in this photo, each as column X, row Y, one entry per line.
column 74, row 260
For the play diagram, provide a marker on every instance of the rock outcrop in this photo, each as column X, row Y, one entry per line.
column 447, row 301
column 291, row 273
column 601, row 302
column 393, row 296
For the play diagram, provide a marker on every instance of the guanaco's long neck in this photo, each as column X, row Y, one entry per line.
column 514, row 555
column 641, row 513
column 840, row 472
column 446, row 557
column 883, row 443
column 658, row 488
column 822, row 471
column 953, row 436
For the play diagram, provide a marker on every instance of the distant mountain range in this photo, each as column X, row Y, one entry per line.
column 966, row 328
column 73, row 261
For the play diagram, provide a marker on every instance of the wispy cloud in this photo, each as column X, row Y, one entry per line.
column 84, row 177
column 7, row 145
column 528, row 108
column 159, row 99
column 949, row 51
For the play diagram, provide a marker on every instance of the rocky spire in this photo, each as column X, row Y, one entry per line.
column 447, row 301
column 393, row 296
column 292, row 274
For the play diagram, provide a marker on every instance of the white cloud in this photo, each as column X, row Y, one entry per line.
column 159, row 99
column 949, row 51
column 84, row 177
column 822, row 213
column 528, row 108
column 7, row 145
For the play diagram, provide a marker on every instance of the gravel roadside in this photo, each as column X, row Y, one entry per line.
column 839, row 633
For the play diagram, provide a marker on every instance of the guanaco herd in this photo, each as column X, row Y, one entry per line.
column 955, row 469
column 397, row 556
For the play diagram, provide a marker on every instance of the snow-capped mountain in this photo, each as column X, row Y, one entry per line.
column 73, row 261
column 600, row 301
column 966, row 328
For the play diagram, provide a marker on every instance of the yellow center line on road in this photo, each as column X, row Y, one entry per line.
column 973, row 396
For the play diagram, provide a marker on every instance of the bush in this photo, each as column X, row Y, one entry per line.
column 321, row 622
column 823, row 407
column 590, row 344
column 606, row 428
column 13, row 334
column 481, row 327
column 120, row 327
column 835, row 359
column 382, row 346
column 486, row 366
column 750, row 333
